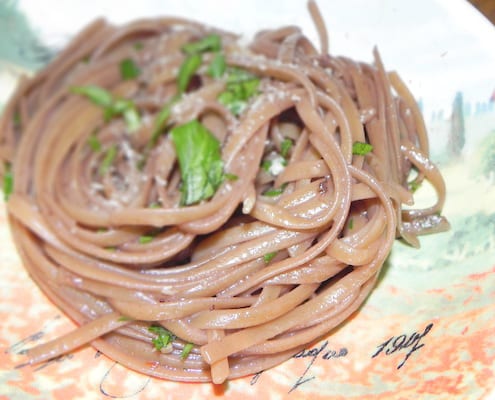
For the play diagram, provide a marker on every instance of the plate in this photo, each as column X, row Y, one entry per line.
column 427, row 329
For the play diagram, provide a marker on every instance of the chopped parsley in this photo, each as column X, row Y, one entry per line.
column 111, row 107
column 124, row 318
column 241, row 86
column 275, row 191
column 17, row 119
column 211, row 42
column 269, row 256
column 186, row 350
column 217, row 67
column 128, row 69
column 164, row 337
column 8, row 182
column 361, row 149
column 200, row 162
column 108, row 159
column 187, row 70
column 146, row 239
column 351, row 224
column 285, row 147
column 94, row 143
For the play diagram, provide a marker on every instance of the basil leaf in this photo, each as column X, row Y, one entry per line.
column 128, row 69
column 96, row 94
column 94, row 143
column 269, row 256
column 8, row 182
column 241, row 86
column 285, row 147
column 132, row 119
column 200, row 162
column 108, row 160
column 361, row 149
column 211, row 42
column 217, row 66
column 164, row 337
column 275, row 191
column 187, row 70
column 186, row 350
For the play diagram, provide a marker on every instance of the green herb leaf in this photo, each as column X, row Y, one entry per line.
column 200, row 162
column 96, row 94
column 111, row 107
column 211, row 42
column 361, row 149
column 241, row 86
column 285, row 147
column 108, row 160
column 124, row 318
column 138, row 45
column 155, row 205
column 275, row 191
column 164, row 337
column 269, row 256
column 8, row 182
column 17, row 119
column 186, row 350
column 217, row 66
column 161, row 120
column 145, row 239
column 231, row 177
column 351, row 224
column 187, row 70
column 132, row 119
column 128, row 69
column 94, row 143
column 266, row 165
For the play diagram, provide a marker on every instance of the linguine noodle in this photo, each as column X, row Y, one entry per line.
column 288, row 245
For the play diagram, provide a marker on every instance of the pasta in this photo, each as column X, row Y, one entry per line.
column 204, row 210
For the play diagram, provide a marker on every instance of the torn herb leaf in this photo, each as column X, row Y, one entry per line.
column 187, row 70
column 275, row 191
column 94, row 143
column 129, row 69
column 95, row 94
column 211, row 42
column 200, row 162
column 216, row 69
column 108, row 159
column 164, row 337
column 186, row 350
column 8, row 182
column 269, row 256
column 285, row 147
column 241, row 86
column 361, row 148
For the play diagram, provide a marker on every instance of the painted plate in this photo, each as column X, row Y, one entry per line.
column 428, row 329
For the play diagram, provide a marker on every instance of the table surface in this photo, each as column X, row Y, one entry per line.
column 486, row 7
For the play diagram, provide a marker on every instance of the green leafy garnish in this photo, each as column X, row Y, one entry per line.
column 230, row 177
column 216, row 69
column 96, row 94
column 138, row 45
column 154, row 205
column 269, row 256
column 187, row 70
column 164, row 337
column 186, row 350
column 361, row 149
column 111, row 107
column 241, row 86
column 414, row 185
column 275, row 191
column 146, row 239
column 266, row 165
column 161, row 120
column 200, row 162
column 285, row 147
column 351, row 224
column 128, row 69
column 124, row 318
column 17, row 119
column 211, row 42
column 94, row 143
column 8, row 182
column 108, row 159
